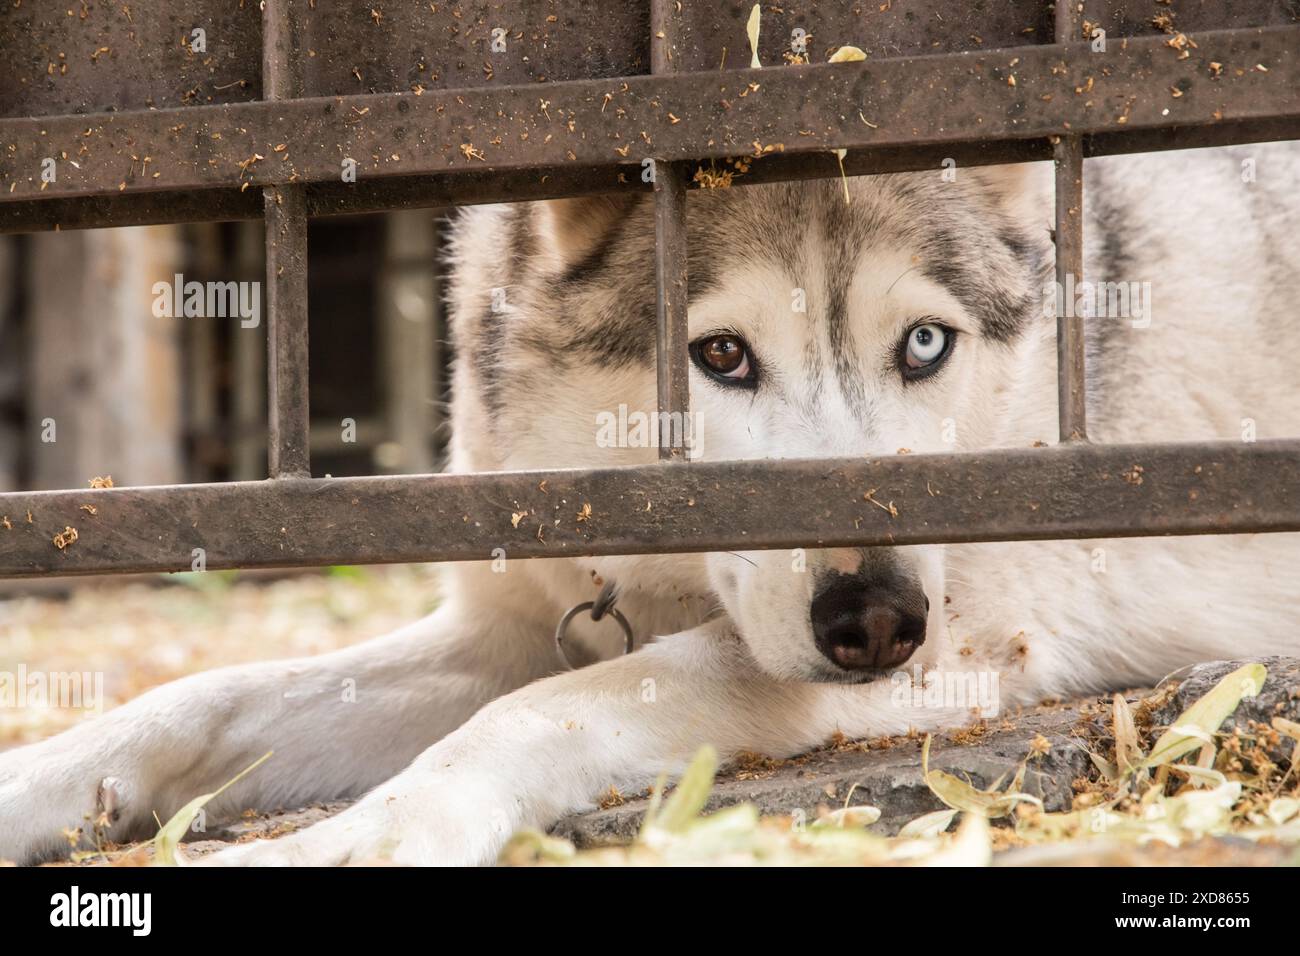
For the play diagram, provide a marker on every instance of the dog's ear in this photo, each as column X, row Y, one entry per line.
column 1024, row 190
column 570, row 230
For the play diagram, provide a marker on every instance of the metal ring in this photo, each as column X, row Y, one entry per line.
column 577, row 609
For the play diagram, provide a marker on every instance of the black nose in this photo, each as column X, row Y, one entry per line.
column 864, row 625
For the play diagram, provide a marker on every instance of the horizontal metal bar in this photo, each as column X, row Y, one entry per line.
column 1068, row 491
column 104, row 60
column 892, row 102
column 461, row 189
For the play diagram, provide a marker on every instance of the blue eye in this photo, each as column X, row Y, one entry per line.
column 925, row 348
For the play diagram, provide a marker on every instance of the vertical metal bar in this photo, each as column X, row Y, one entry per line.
column 673, row 335
column 248, row 407
column 285, row 209
column 670, row 262
column 1067, row 151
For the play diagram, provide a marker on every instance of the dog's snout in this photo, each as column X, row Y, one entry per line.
column 862, row 626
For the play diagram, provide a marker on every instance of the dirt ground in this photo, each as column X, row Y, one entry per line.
column 141, row 633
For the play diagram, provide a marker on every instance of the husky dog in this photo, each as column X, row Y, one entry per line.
column 922, row 329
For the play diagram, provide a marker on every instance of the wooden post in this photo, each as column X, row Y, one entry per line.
column 407, row 310
column 103, row 372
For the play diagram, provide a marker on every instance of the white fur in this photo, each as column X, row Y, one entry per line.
column 452, row 766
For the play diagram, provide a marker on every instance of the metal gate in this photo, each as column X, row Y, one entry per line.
column 455, row 103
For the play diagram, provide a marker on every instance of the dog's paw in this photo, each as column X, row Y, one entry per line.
column 51, row 806
column 406, row 823
column 292, row 850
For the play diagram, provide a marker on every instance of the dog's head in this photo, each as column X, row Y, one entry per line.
column 901, row 319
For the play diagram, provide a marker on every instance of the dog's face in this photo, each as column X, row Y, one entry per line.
column 892, row 323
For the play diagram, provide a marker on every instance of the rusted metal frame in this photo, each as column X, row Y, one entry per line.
column 1071, row 372
column 671, row 332
column 1076, row 490
column 905, row 101
column 461, row 189
column 285, row 211
column 123, row 63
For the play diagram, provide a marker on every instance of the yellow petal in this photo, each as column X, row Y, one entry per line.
column 847, row 54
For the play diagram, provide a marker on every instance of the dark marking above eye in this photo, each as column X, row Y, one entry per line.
column 1000, row 295
column 1019, row 245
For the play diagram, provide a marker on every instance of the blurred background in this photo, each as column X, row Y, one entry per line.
column 152, row 400
column 164, row 400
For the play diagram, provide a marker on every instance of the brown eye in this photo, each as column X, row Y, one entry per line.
column 725, row 357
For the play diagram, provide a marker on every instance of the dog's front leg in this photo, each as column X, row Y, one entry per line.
column 551, row 748
column 338, row 725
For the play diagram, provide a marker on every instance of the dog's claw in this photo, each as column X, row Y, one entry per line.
column 109, row 799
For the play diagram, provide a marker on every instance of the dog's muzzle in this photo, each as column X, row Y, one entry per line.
column 868, row 624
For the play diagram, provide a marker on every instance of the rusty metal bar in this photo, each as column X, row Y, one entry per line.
column 1071, row 372
column 671, row 333
column 1076, row 490
column 123, row 62
column 1071, row 377
column 906, row 101
column 285, row 210
column 288, row 406
column 459, row 189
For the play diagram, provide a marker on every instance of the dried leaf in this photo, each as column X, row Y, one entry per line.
column 860, row 816
column 847, row 54
column 1288, row 727
column 1199, row 722
column 929, row 825
column 1202, row 774
column 1283, row 809
column 1104, row 767
column 752, row 29
column 960, row 795
column 1128, row 752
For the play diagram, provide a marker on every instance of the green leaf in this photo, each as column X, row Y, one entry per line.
column 692, row 792
column 173, row 831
